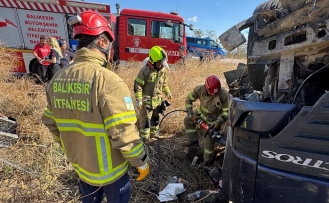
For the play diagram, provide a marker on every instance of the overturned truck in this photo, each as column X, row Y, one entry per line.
column 277, row 146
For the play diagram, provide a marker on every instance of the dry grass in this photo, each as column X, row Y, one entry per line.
column 46, row 176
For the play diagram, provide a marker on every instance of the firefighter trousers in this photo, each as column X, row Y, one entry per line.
column 117, row 192
column 191, row 130
column 149, row 122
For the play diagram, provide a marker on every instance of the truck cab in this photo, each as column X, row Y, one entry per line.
column 197, row 46
column 277, row 140
column 139, row 30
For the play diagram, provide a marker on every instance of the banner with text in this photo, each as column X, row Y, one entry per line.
column 37, row 23
column 9, row 30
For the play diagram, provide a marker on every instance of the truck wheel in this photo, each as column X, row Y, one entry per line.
column 257, row 76
column 34, row 66
column 34, row 70
column 256, row 71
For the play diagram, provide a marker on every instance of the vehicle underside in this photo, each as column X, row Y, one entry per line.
column 288, row 47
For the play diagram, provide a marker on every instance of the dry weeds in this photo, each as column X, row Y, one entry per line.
column 48, row 177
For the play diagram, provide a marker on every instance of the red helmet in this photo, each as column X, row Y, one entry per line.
column 213, row 85
column 90, row 23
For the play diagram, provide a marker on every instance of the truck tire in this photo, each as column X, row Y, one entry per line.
column 34, row 66
column 257, row 76
column 257, row 71
column 35, row 71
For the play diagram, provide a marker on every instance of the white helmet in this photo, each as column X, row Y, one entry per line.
column 165, row 64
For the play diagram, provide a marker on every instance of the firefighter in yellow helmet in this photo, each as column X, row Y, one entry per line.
column 213, row 109
column 91, row 114
column 149, row 84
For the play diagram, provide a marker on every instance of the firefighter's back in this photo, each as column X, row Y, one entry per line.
column 78, row 96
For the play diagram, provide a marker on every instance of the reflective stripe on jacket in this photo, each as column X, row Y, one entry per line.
column 211, row 107
column 149, row 85
column 91, row 113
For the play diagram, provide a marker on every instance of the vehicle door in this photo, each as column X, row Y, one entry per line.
column 133, row 38
column 166, row 37
column 201, row 47
column 213, row 46
column 216, row 49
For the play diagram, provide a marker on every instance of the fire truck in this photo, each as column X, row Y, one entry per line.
column 22, row 22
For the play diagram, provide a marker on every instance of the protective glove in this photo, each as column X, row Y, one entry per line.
column 189, row 112
column 195, row 118
column 143, row 171
column 139, row 104
column 216, row 125
column 169, row 96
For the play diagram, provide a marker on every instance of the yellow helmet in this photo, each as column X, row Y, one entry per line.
column 157, row 54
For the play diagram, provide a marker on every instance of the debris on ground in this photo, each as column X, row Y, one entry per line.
column 170, row 192
column 8, row 136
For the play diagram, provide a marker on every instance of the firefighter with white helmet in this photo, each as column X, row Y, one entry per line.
column 213, row 109
column 91, row 114
column 149, row 85
column 146, row 60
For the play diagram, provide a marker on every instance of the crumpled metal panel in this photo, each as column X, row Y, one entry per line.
column 286, row 68
column 232, row 39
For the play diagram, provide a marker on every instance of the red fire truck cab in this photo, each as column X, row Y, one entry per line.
column 137, row 31
column 22, row 22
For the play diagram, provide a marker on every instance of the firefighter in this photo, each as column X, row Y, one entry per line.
column 91, row 114
column 149, row 84
column 213, row 109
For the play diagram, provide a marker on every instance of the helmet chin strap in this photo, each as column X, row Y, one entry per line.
column 155, row 67
column 104, row 51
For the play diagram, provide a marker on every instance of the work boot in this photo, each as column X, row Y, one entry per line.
column 145, row 139
column 154, row 132
column 207, row 159
column 201, row 165
column 190, row 143
column 156, row 135
column 145, row 134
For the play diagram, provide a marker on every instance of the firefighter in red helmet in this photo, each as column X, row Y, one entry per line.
column 213, row 109
column 90, row 112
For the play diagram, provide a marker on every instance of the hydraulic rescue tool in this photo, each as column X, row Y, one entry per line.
column 216, row 136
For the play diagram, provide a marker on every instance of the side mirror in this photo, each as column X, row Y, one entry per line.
column 232, row 38
column 181, row 30
column 191, row 27
column 169, row 23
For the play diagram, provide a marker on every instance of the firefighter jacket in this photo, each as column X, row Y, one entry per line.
column 212, row 107
column 149, row 85
column 91, row 113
